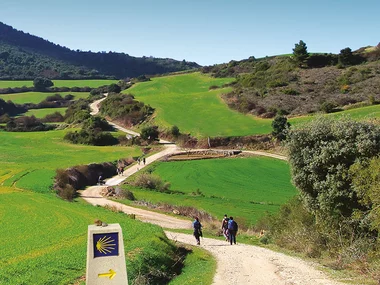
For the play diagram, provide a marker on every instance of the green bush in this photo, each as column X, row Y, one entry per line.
column 280, row 127
column 175, row 131
column 91, row 137
column 152, row 182
column 78, row 112
column 327, row 107
column 149, row 133
column 126, row 109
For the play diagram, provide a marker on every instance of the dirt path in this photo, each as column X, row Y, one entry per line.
column 245, row 264
column 237, row 264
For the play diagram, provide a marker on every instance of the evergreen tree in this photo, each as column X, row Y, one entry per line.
column 300, row 53
column 280, row 125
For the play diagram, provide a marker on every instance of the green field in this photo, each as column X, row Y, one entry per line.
column 185, row 101
column 44, row 239
column 59, row 83
column 15, row 83
column 37, row 97
column 29, row 160
column 41, row 113
column 362, row 113
column 242, row 187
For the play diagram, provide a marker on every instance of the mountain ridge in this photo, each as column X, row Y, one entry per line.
column 21, row 55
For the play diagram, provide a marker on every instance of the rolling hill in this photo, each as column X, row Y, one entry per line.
column 25, row 56
column 275, row 85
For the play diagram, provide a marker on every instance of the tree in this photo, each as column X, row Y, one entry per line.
column 321, row 154
column 114, row 88
column 346, row 57
column 300, row 53
column 280, row 127
column 175, row 131
column 149, row 133
column 41, row 83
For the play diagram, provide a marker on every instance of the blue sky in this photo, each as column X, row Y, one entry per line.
column 205, row 31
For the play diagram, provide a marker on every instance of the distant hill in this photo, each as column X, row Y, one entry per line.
column 25, row 56
column 277, row 85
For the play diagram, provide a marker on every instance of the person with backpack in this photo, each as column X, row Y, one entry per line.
column 225, row 226
column 232, row 230
column 197, row 230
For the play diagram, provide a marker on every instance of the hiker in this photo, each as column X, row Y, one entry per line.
column 225, row 226
column 100, row 180
column 138, row 160
column 232, row 230
column 197, row 230
column 144, row 160
column 120, row 170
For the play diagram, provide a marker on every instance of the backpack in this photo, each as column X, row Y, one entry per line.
column 225, row 223
column 232, row 225
column 197, row 225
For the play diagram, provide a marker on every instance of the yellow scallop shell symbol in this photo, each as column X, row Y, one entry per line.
column 105, row 245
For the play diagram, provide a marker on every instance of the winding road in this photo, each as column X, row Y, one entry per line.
column 237, row 264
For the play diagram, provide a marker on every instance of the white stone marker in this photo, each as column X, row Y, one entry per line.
column 105, row 256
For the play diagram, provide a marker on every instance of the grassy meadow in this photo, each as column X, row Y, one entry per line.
column 41, row 113
column 29, row 160
column 362, row 113
column 186, row 101
column 15, row 83
column 93, row 83
column 37, row 97
column 44, row 239
column 243, row 187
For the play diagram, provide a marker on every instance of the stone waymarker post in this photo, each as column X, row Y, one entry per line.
column 105, row 256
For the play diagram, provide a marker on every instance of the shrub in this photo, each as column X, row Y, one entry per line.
column 126, row 109
column 175, row 131
column 40, row 83
column 149, row 133
column 27, row 124
column 280, row 127
column 129, row 195
column 55, row 118
column 290, row 91
column 321, row 60
column 152, row 182
column 293, row 227
column 327, row 107
column 277, row 83
column 78, row 112
column 114, row 88
column 345, row 89
column 372, row 100
column 91, row 137
column 323, row 155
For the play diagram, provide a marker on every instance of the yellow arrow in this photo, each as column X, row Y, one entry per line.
column 111, row 274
